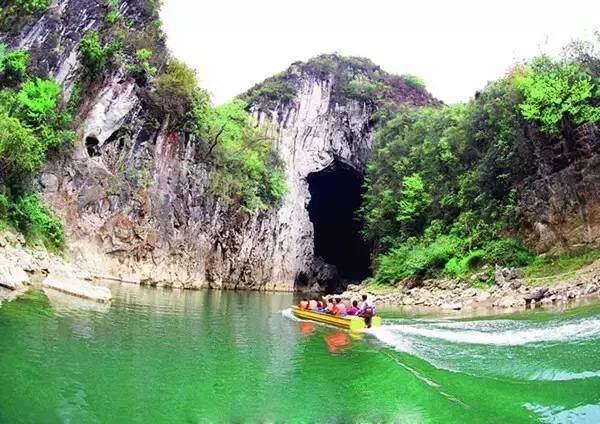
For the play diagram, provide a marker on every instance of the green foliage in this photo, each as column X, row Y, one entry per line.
column 546, row 269
column 113, row 14
column 414, row 198
column 141, row 69
column 416, row 259
column 142, row 57
column 248, row 170
column 174, row 94
column 363, row 89
column 95, row 56
column 32, row 121
column 460, row 266
column 448, row 172
column 13, row 65
column 414, row 81
column 275, row 89
column 74, row 98
column 37, row 100
column 14, row 13
column 556, row 93
column 323, row 65
column 20, row 151
column 507, row 252
column 350, row 77
column 29, row 215
column 28, row 7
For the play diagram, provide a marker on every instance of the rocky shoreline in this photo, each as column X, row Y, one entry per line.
column 21, row 268
column 510, row 291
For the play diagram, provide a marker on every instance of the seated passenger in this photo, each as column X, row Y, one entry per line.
column 320, row 305
column 352, row 310
column 341, row 307
column 303, row 303
column 328, row 306
column 366, row 310
column 312, row 304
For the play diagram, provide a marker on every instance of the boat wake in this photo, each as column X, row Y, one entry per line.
column 501, row 332
column 490, row 347
column 287, row 313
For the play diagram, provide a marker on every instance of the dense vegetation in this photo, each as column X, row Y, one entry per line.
column 443, row 183
column 32, row 121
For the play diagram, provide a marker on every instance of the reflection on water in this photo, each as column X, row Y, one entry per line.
column 337, row 342
column 161, row 355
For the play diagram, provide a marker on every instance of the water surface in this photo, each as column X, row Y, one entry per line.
column 181, row 356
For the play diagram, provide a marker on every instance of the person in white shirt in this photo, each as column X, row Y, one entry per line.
column 366, row 310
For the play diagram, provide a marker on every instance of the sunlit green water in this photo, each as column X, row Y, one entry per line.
column 168, row 356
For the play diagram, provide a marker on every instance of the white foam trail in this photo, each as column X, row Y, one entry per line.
column 287, row 313
column 559, row 375
column 395, row 335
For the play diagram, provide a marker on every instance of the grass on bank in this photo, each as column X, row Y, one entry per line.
column 541, row 270
column 554, row 269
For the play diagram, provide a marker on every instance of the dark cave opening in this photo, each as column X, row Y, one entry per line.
column 335, row 196
column 92, row 146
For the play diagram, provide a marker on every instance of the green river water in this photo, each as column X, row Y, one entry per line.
column 162, row 356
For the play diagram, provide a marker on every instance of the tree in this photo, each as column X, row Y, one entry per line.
column 557, row 94
column 175, row 94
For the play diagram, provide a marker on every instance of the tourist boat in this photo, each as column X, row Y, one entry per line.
column 351, row 323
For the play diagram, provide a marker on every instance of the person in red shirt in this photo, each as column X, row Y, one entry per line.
column 340, row 306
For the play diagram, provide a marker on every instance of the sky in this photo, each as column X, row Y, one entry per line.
column 455, row 46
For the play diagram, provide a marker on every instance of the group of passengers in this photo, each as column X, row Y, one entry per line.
column 335, row 306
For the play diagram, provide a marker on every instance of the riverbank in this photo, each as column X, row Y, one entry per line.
column 511, row 290
column 21, row 268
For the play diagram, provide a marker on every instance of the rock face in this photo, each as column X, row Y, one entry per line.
column 135, row 198
column 560, row 207
column 66, row 282
column 12, row 276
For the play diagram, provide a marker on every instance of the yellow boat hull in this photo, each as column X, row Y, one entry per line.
column 351, row 323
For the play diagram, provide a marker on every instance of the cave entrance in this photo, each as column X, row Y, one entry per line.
column 335, row 196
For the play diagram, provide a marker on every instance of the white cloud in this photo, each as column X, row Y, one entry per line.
column 456, row 46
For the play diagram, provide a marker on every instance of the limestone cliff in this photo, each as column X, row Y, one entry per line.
column 559, row 209
column 134, row 198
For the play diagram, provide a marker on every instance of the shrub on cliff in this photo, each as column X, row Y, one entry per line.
column 279, row 89
column 174, row 94
column 13, row 64
column 141, row 68
column 14, row 13
column 30, row 216
column 248, row 170
column 414, row 80
column 95, row 56
column 363, row 89
column 32, row 121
